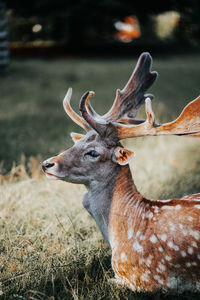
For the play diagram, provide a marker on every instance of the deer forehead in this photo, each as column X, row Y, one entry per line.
column 93, row 140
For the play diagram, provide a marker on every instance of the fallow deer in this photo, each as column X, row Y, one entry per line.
column 155, row 243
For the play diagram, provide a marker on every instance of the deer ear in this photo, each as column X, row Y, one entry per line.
column 76, row 136
column 122, row 156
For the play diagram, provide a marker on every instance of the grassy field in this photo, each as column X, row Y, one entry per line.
column 49, row 246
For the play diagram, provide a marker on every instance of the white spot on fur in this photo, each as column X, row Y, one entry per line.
column 171, row 225
column 161, row 267
column 148, row 261
column 130, row 233
column 197, row 206
column 176, row 248
column 195, row 234
column 180, row 226
column 156, row 210
column 123, row 257
column 158, row 270
column 188, row 264
column 173, row 246
column 163, row 237
column 190, row 218
column 198, row 256
column 168, row 258
column 142, row 237
column 158, row 279
column 150, row 215
column 183, row 253
column 153, row 239
column 160, row 249
column 167, row 207
column 170, row 244
column 194, row 244
column 177, row 207
column 184, row 232
column 145, row 276
column 190, row 250
column 137, row 247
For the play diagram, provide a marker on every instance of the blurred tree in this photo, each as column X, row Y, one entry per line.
column 4, row 49
column 189, row 25
column 83, row 21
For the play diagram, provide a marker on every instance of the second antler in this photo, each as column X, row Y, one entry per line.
column 187, row 124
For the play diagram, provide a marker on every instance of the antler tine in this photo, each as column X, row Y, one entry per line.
column 72, row 114
column 89, row 107
column 187, row 124
column 99, row 125
column 128, row 101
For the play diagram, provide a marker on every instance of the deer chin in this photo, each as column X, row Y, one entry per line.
column 51, row 176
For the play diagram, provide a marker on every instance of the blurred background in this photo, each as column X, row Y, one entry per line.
column 68, row 27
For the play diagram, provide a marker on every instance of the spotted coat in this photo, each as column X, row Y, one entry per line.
column 155, row 243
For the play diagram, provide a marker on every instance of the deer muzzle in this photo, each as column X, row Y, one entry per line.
column 49, row 167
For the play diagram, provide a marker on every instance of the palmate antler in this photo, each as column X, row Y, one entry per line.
column 187, row 124
column 128, row 101
column 126, row 106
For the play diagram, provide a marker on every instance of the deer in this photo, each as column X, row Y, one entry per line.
column 155, row 244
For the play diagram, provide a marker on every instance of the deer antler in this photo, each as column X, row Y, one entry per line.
column 188, row 123
column 128, row 101
column 98, row 125
column 126, row 106
column 72, row 114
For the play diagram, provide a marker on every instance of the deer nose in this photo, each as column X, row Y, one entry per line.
column 46, row 165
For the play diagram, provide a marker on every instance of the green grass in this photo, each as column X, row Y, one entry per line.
column 50, row 248
column 32, row 120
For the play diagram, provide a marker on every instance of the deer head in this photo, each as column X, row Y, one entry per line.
column 97, row 152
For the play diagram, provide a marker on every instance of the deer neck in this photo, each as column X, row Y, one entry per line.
column 126, row 205
column 108, row 194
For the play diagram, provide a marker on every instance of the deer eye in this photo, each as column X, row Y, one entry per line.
column 92, row 153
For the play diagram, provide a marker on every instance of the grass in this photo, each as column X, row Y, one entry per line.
column 50, row 248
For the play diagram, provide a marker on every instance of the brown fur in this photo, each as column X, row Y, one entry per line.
column 155, row 244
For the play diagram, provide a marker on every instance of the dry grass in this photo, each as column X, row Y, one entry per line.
column 46, row 236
